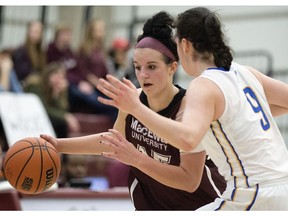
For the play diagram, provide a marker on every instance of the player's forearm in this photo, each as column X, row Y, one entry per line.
column 277, row 110
column 169, row 175
column 82, row 145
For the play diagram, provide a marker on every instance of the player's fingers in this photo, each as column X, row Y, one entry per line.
column 106, row 101
column 44, row 136
column 115, row 82
column 109, row 155
column 106, row 88
column 109, row 140
column 129, row 83
column 48, row 138
column 117, row 134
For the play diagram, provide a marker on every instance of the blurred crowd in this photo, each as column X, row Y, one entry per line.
column 64, row 78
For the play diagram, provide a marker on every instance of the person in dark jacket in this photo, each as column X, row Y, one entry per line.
column 29, row 59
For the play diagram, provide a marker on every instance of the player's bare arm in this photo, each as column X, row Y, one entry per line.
column 188, row 173
column 276, row 92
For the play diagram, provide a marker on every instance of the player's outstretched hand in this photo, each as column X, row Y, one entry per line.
column 50, row 139
column 121, row 149
column 122, row 94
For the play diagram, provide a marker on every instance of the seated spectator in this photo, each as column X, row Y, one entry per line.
column 59, row 50
column 118, row 62
column 72, row 167
column 92, row 66
column 92, row 53
column 29, row 59
column 8, row 78
column 52, row 88
column 74, row 173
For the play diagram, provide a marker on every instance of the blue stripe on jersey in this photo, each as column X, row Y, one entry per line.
column 217, row 68
column 254, row 198
column 226, row 140
column 227, row 158
column 234, row 190
column 229, row 202
column 220, row 206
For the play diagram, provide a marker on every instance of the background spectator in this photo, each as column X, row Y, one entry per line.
column 92, row 53
column 53, row 91
column 8, row 78
column 72, row 167
column 75, row 172
column 118, row 62
column 29, row 59
column 93, row 65
column 59, row 50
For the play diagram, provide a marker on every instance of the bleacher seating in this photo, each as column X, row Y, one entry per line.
column 92, row 123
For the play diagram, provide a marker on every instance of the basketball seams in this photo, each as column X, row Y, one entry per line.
column 23, row 168
column 6, row 161
column 52, row 157
column 12, row 155
column 41, row 167
column 20, row 159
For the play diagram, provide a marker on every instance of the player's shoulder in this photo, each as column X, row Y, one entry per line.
column 201, row 85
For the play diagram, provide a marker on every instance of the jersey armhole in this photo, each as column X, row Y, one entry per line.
column 223, row 92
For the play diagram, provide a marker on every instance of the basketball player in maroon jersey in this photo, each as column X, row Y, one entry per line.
column 161, row 176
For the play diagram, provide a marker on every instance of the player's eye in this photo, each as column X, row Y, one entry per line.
column 137, row 68
column 152, row 67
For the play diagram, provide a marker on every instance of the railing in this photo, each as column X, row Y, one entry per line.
column 262, row 60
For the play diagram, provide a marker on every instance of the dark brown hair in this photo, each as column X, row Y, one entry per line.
column 160, row 27
column 203, row 28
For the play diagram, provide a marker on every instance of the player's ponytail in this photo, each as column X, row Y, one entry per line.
column 203, row 28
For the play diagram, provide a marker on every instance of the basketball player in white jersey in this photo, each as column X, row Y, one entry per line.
column 230, row 110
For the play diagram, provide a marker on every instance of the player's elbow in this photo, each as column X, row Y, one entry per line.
column 188, row 143
column 192, row 186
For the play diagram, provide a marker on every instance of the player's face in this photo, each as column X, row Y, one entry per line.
column 153, row 74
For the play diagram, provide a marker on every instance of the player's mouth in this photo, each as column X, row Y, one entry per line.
column 147, row 85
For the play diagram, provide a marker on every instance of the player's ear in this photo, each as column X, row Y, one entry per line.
column 187, row 45
column 173, row 68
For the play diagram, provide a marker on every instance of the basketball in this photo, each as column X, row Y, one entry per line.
column 32, row 165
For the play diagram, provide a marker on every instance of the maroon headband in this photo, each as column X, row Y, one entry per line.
column 152, row 43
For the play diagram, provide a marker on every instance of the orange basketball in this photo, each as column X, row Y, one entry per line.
column 32, row 165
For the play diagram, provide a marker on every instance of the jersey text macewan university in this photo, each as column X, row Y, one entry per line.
column 143, row 134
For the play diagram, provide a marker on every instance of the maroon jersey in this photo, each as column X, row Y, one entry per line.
column 149, row 194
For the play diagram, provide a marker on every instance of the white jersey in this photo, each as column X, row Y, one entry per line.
column 245, row 142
